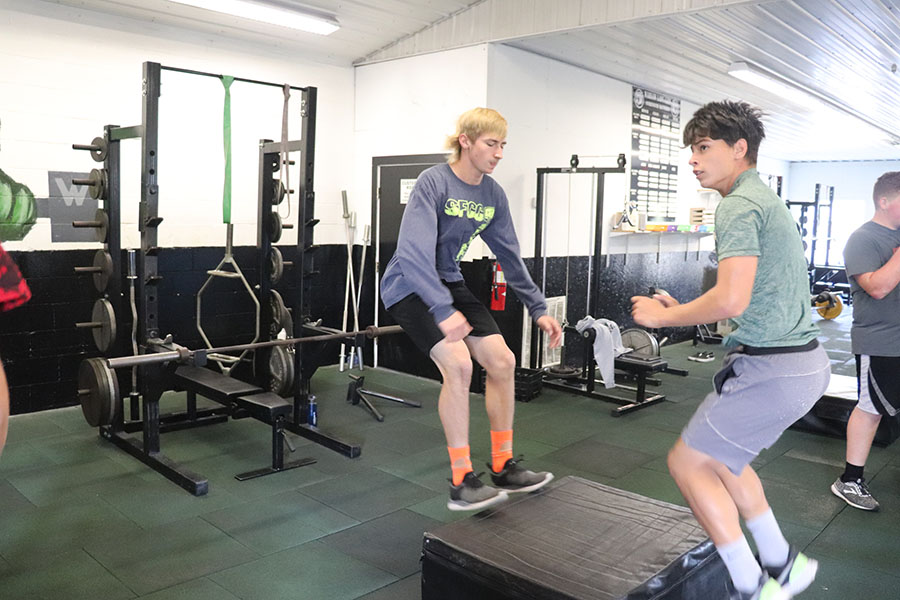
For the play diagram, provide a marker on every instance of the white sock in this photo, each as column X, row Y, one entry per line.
column 773, row 548
column 744, row 570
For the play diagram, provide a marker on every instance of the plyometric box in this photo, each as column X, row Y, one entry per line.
column 576, row 540
column 830, row 414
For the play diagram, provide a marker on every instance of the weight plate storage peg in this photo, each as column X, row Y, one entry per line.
column 97, row 183
column 98, row 392
column 100, row 223
column 98, row 148
column 281, row 371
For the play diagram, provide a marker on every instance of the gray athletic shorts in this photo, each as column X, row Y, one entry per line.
column 756, row 397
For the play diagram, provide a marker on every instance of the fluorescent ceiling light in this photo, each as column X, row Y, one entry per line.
column 304, row 20
column 770, row 83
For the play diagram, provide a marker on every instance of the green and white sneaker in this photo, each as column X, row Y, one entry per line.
column 472, row 494
column 797, row 574
column 768, row 589
column 855, row 493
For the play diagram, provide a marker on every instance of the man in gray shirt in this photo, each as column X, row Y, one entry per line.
column 873, row 269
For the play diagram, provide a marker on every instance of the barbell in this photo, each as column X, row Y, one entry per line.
column 98, row 386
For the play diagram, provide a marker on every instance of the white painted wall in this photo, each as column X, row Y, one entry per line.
column 410, row 106
column 852, row 181
column 65, row 73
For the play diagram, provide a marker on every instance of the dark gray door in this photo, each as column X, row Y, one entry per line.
column 392, row 180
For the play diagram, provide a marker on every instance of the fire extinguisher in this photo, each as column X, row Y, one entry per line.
column 498, row 289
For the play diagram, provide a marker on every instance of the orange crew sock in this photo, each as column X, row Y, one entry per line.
column 460, row 463
column 501, row 449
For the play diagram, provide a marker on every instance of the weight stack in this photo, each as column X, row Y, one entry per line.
column 577, row 540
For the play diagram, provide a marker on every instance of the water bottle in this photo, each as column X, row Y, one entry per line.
column 312, row 418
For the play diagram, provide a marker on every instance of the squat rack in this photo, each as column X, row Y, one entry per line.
column 155, row 377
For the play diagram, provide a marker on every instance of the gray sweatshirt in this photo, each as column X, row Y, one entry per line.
column 443, row 216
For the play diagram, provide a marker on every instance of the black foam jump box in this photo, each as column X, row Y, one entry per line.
column 829, row 417
column 575, row 540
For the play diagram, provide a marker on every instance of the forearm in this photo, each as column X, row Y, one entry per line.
column 712, row 306
column 880, row 283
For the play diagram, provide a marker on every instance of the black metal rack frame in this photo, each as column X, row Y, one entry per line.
column 154, row 379
column 599, row 173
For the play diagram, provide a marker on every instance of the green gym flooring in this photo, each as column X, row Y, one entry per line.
column 79, row 518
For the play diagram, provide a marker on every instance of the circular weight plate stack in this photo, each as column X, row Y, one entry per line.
column 103, row 261
column 830, row 310
column 98, row 389
column 275, row 227
column 642, row 343
column 281, row 371
column 281, row 318
column 105, row 335
column 101, row 217
column 98, row 185
column 563, row 372
column 276, row 265
column 99, row 155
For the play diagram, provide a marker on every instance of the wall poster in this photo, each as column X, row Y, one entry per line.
column 655, row 144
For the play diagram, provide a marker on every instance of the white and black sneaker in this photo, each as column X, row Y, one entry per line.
column 855, row 493
column 472, row 494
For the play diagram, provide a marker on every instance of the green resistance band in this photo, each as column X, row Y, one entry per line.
column 226, row 136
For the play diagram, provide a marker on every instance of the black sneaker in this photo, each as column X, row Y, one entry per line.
column 797, row 574
column 514, row 478
column 472, row 494
column 855, row 493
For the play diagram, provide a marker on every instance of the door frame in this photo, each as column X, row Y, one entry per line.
column 378, row 162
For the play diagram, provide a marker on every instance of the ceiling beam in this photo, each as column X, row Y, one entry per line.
column 504, row 20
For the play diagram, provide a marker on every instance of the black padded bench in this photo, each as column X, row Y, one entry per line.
column 240, row 396
column 212, row 385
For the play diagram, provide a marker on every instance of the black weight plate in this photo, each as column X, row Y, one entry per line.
column 99, row 404
column 98, row 185
column 276, row 265
column 101, row 217
column 99, row 155
column 275, row 227
column 280, row 193
column 281, row 371
column 105, row 335
column 103, row 261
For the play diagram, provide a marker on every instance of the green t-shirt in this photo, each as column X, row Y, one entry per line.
column 753, row 221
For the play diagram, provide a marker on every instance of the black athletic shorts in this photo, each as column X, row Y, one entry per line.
column 413, row 316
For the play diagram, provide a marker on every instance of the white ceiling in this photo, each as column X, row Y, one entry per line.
column 845, row 52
